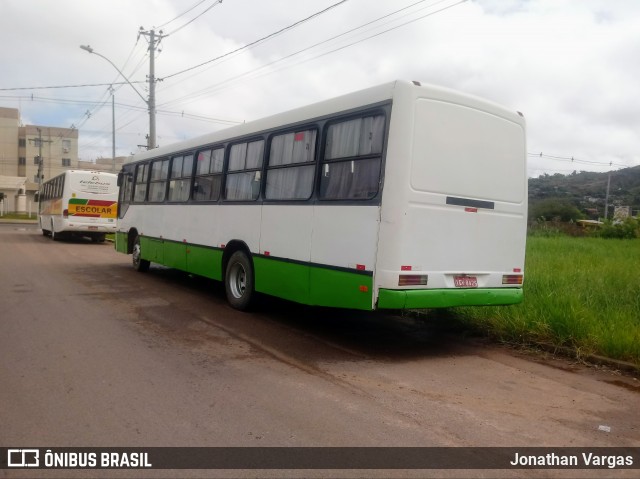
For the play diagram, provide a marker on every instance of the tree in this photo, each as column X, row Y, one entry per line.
column 554, row 208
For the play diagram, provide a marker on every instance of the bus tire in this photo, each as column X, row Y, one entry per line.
column 54, row 236
column 239, row 281
column 139, row 264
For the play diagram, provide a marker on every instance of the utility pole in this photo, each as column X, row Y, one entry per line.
column 113, row 127
column 154, row 43
column 606, row 199
column 40, row 160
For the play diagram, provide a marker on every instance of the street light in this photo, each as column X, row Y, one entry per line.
column 151, row 103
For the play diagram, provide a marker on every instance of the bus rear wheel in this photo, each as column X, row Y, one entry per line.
column 139, row 264
column 54, row 236
column 238, row 281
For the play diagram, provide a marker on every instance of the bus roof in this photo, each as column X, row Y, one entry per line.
column 343, row 103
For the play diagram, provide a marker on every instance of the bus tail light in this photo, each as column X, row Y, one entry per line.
column 65, row 213
column 512, row 279
column 413, row 280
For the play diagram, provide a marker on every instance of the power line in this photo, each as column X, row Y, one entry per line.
column 183, row 13
column 363, row 39
column 97, row 104
column 219, row 85
column 111, row 90
column 101, row 103
column 255, row 42
column 571, row 159
column 193, row 19
column 66, row 86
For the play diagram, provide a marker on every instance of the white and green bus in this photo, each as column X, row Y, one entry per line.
column 398, row 196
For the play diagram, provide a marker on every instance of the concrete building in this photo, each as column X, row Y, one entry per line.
column 13, row 196
column 103, row 164
column 59, row 149
column 20, row 150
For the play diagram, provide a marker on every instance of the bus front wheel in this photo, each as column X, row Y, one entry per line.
column 139, row 264
column 238, row 281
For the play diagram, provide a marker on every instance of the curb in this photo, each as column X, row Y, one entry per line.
column 562, row 351
column 592, row 359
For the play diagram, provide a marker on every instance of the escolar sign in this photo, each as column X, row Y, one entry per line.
column 93, row 208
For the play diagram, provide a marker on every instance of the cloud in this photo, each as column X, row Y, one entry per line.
column 570, row 67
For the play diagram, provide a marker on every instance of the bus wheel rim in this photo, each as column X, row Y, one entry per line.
column 237, row 280
column 136, row 254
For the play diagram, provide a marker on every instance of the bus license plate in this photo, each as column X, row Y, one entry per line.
column 465, row 281
column 93, row 227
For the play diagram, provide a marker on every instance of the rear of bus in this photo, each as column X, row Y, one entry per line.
column 454, row 205
column 90, row 204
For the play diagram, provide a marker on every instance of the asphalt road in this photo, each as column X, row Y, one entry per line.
column 95, row 354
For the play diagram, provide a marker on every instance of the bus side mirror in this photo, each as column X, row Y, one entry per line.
column 36, row 197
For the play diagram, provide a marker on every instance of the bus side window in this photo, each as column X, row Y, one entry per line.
column 126, row 190
column 352, row 159
column 140, row 188
column 180, row 182
column 208, row 175
column 243, row 177
column 158, row 181
column 291, row 166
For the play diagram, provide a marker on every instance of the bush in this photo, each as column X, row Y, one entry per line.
column 555, row 209
column 627, row 229
column 553, row 229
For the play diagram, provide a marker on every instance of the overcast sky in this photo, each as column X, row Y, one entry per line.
column 572, row 67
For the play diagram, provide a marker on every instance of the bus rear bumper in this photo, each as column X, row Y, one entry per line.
column 446, row 298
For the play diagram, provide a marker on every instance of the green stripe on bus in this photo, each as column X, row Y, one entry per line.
column 341, row 289
column 194, row 259
column 294, row 281
column 78, row 201
column 121, row 242
column 205, row 261
column 282, row 279
column 446, row 298
column 313, row 285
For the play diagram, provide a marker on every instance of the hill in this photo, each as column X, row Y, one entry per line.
column 587, row 190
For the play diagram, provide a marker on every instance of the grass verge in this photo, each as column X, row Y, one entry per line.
column 19, row 216
column 581, row 293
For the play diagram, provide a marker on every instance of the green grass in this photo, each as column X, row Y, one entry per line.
column 19, row 216
column 582, row 293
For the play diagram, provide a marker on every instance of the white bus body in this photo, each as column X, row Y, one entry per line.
column 79, row 203
column 416, row 198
